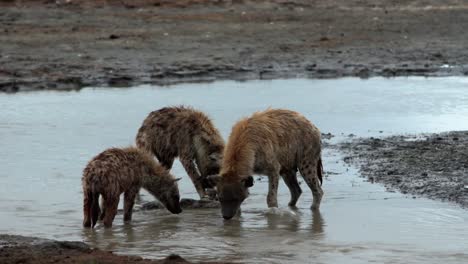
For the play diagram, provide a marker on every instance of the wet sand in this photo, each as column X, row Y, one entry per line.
column 429, row 165
column 66, row 45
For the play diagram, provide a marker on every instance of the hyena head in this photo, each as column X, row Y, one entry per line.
column 231, row 193
column 167, row 192
column 209, row 154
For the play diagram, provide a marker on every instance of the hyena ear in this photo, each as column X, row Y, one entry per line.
column 248, row 182
column 210, row 181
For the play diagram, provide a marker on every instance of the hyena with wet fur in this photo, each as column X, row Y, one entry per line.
column 116, row 171
column 186, row 133
column 276, row 143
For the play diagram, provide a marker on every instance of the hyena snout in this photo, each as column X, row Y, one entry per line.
column 176, row 210
column 229, row 209
column 174, row 206
column 171, row 200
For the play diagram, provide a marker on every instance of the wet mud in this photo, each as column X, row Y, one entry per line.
column 429, row 165
column 20, row 249
column 67, row 45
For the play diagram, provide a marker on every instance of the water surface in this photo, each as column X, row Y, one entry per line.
column 47, row 138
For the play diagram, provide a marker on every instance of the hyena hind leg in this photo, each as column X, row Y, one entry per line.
column 87, row 208
column 310, row 174
column 111, row 205
column 103, row 209
column 129, row 201
column 290, row 179
column 96, row 211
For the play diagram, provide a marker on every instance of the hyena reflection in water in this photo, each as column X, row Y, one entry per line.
column 116, row 171
column 276, row 143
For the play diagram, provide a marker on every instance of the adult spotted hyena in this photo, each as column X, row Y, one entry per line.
column 116, row 171
column 186, row 133
column 275, row 143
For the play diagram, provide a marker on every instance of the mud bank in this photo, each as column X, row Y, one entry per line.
column 20, row 249
column 429, row 165
column 66, row 45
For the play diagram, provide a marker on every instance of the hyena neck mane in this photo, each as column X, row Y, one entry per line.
column 239, row 155
column 153, row 175
column 207, row 146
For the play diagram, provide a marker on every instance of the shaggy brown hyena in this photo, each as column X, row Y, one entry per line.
column 186, row 133
column 116, row 171
column 274, row 143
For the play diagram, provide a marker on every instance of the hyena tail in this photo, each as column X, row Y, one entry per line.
column 320, row 170
column 91, row 209
column 95, row 210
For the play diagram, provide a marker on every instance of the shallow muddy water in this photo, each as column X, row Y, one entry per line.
column 47, row 138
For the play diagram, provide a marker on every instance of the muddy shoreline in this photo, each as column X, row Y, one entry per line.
column 428, row 165
column 67, row 45
column 20, row 249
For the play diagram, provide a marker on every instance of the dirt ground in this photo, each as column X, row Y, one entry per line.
column 433, row 165
column 19, row 249
column 68, row 44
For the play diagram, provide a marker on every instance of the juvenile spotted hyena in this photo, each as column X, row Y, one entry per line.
column 116, row 171
column 274, row 143
column 186, row 133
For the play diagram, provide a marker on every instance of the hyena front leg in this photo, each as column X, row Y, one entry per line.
column 290, row 179
column 273, row 180
column 166, row 162
column 194, row 175
column 129, row 201
column 308, row 171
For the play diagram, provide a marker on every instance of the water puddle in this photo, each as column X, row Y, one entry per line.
column 47, row 138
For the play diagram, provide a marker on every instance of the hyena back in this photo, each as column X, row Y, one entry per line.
column 116, row 171
column 276, row 143
column 186, row 133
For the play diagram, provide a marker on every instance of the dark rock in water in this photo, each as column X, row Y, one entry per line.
column 185, row 203
column 327, row 135
column 153, row 205
column 173, row 258
column 192, row 204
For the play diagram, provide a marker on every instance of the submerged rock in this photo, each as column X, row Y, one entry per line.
column 185, row 203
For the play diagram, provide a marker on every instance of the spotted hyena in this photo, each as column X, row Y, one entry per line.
column 116, row 171
column 275, row 143
column 186, row 133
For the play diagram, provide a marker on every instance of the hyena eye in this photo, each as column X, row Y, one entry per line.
column 213, row 157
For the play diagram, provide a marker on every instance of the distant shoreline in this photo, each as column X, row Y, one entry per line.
column 68, row 45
